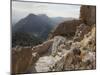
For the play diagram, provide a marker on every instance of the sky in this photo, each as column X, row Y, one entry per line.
column 22, row 9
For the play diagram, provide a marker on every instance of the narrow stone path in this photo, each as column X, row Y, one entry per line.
column 47, row 62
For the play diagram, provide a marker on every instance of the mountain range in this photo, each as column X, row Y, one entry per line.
column 38, row 26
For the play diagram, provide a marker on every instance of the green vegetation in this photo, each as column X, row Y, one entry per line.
column 25, row 39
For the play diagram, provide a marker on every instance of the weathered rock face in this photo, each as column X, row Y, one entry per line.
column 88, row 17
column 22, row 59
column 63, row 58
column 81, row 30
column 88, row 14
column 82, row 54
column 78, row 53
column 42, row 48
column 89, row 40
column 73, row 58
column 84, row 60
column 55, row 60
column 66, row 28
column 49, row 63
column 58, row 40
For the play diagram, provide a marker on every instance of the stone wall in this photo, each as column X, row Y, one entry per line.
column 88, row 14
column 24, row 57
column 42, row 48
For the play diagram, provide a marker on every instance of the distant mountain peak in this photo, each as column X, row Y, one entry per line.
column 31, row 15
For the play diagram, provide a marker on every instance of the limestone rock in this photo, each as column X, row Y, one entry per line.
column 81, row 30
column 68, row 44
column 58, row 40
column 44, row 63
column 89, row 40
column 88, row 60
column 82, row 54
column 55, row 60
column 50, row 63
column 73, row 59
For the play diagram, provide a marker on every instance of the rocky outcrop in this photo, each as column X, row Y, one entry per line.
column 58, row 40
column 80, row 60
column 55, row 60
column 88, row 14
column 42, row 48
column 82, row 54
column 66, row 28
column 88, row 17
column 81, row 30
column 78, row 53
column 49, row 63
column 23, row 58
column 73, row 58
column 89, row 40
